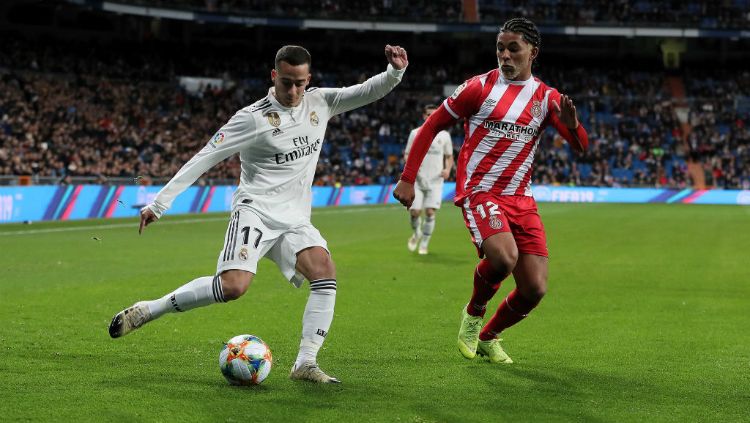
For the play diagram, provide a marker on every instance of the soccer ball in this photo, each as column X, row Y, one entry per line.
column 245, row 360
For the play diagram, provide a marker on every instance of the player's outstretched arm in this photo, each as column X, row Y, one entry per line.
column 565, row 120
column 438, row 120
column 342, row 100
column 230, row 139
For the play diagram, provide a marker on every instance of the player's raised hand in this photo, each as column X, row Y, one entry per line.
column 566, row 112
column 404, row 193
column 396, row 56
column 147, row 217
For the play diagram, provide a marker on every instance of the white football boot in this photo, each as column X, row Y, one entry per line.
column 423, row 246
column 412, row 243
column 129, row 320
column 311, row 372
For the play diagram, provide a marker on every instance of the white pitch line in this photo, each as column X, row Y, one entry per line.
column 100, row 227
column 134, row 225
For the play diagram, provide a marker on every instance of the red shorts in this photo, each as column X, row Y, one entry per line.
column 486, row 214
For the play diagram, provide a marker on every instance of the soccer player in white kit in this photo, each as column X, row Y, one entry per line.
column 428, row 194
column 279, row 140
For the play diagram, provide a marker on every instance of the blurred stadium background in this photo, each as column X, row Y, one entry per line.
column 646, row 318
column 102, row 92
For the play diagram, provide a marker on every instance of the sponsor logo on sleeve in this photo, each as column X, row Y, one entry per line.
column 217, row 139
column 458, row 91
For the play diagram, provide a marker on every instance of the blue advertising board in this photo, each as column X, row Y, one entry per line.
column 72, row 202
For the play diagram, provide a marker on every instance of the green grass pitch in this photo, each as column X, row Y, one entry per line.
column 647, row 318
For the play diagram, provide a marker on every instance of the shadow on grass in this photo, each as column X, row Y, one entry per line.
column 440, row 258
column 548, row 392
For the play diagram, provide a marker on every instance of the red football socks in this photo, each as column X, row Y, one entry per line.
column 512, row 310
column 487, row 281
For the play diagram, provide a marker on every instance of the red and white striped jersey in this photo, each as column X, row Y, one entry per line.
column 503, row 122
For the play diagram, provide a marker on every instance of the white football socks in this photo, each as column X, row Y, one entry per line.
column 415, row 225
column 427, row 227
column 196, row 293
column 317, row 319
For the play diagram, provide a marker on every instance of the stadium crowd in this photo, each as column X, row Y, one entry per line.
column 114, row 116
column 691, row 13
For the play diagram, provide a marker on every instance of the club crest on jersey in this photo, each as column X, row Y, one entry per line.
column 458, row 90
column 217, row 139
column 273, row 119
column 536, row 109
column 495, row 222
column 314, row 121
column 243, row 253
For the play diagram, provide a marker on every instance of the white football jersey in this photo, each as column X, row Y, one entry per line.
column 433, row 163
column 279, row 149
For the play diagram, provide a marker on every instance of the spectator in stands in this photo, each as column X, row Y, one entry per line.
column 65, row 112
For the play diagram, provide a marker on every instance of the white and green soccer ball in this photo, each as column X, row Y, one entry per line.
column 245, row 360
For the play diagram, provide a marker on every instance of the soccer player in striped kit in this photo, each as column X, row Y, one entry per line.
column 278, row 139
column 505, row 111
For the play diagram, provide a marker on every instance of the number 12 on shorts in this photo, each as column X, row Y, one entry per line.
column 246, row 236
column 491, row 208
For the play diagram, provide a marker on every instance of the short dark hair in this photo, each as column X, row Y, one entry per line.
column 294, row 55
column 428, row 107
column 524, row 27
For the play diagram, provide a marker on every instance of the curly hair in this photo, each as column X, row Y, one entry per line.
column 524, row 27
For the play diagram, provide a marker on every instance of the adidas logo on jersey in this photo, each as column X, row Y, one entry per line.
column 276, row 131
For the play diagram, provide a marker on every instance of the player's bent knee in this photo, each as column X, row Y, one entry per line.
column 537, row 293
column 503, row 264
column 315, row 263
column 501, row 251
column 321, row 269
column 502, row 260
column 534, row 289
column 234, row 283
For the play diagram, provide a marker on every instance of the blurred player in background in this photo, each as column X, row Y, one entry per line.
column 428, row 196
column 279, row 140
column 505, row 111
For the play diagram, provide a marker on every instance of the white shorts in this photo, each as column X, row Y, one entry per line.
column 429, row 196
column 248, row 239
